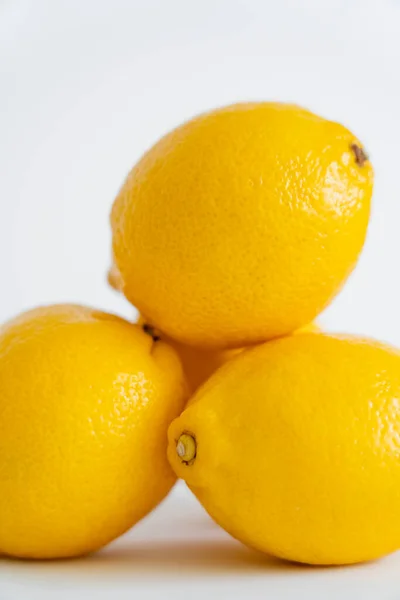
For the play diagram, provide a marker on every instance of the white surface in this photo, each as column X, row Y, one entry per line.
column 178, row 553
column 85, row 87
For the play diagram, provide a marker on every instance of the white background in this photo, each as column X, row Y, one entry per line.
column 85, row 87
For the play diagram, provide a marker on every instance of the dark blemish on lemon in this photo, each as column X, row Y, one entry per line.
column 149, row 329
column 360, row 155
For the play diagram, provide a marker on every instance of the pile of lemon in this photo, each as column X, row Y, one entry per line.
column 230, row 236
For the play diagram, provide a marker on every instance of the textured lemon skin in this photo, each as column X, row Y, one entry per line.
column 199, row 363
column 245, row 221
column 298, row 444
column 85, row 402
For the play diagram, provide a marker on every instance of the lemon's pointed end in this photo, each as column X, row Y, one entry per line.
column 186, row 448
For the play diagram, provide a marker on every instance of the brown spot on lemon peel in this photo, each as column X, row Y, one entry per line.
column 186, row 448
column 360, row 155
column 149, row 329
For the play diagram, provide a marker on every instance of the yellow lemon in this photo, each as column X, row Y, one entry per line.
column 242, row 224
column 199, row 363
column 293, row 448
column 85, row 402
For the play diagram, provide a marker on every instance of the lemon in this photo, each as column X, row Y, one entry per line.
column 242, row 224
column 293, row 448
column 199, row 363
column 85, row 402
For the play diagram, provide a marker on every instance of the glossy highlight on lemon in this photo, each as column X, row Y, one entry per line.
column 242, row 224
column 292, row 447
column 85, row 402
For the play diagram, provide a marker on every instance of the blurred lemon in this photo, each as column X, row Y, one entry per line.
column 198, row 363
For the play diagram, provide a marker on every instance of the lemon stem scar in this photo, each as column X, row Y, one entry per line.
column 186, row 448
column 360, row 155
column 149, row 329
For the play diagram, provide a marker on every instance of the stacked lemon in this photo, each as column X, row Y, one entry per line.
column 230, row 236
